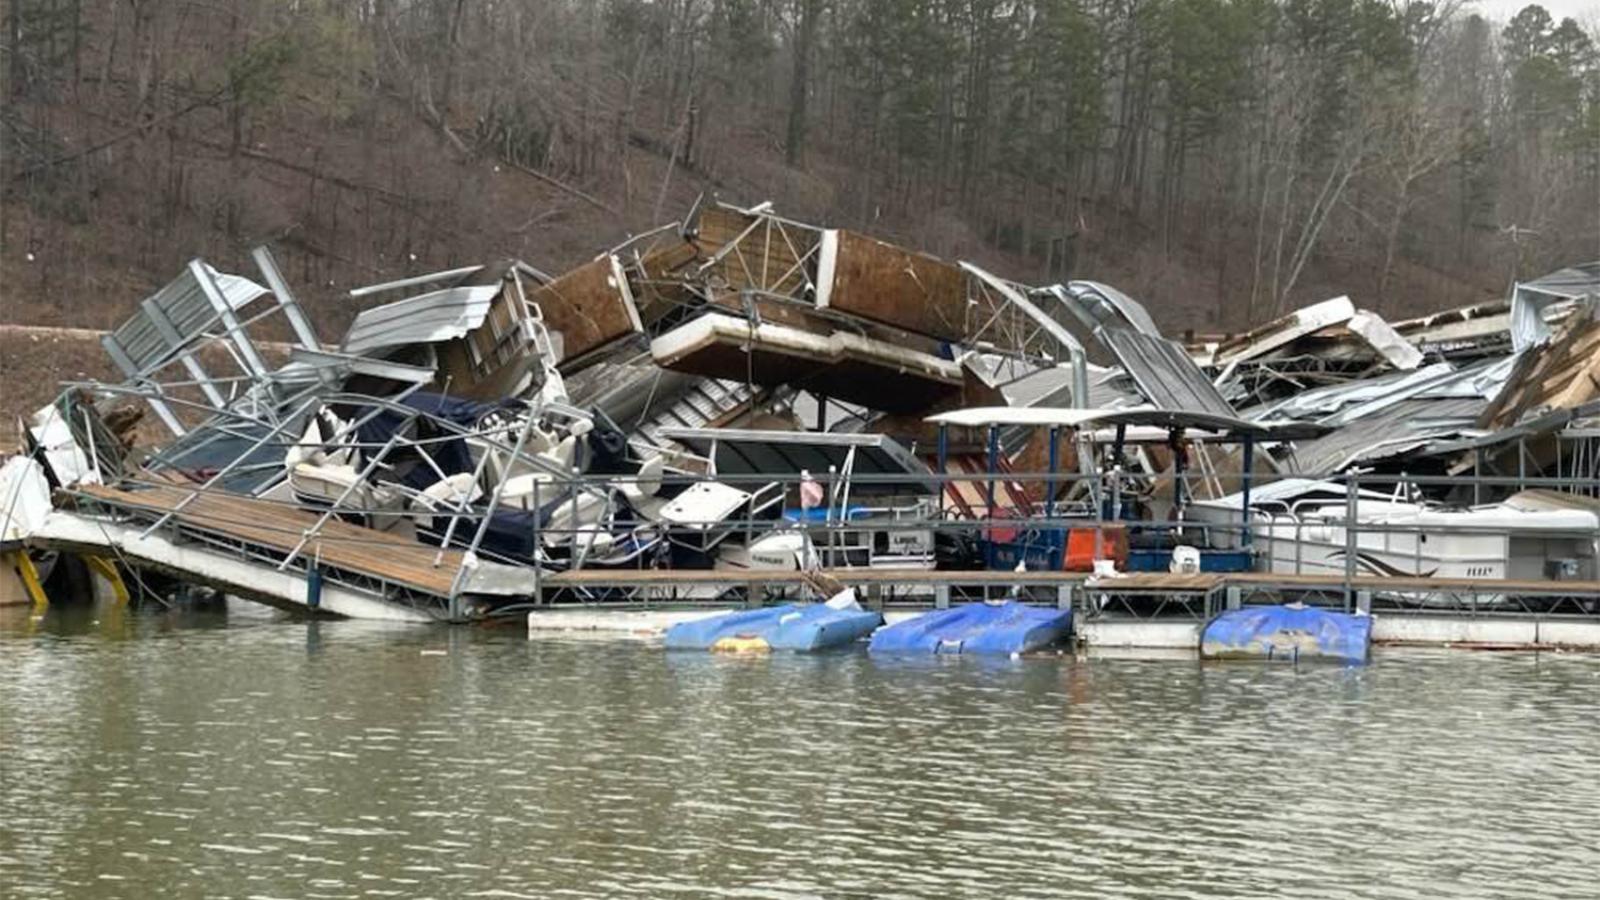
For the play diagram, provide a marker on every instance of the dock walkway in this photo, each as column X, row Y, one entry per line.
column 1130, row 582
column 385, row 564
column 277, row 528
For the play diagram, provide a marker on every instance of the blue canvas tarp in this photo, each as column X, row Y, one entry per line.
column 1006, row 628
column 1292, row 631
column 449, row 454
column 802, row 627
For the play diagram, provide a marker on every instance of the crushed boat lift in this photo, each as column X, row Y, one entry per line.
column 718, row 409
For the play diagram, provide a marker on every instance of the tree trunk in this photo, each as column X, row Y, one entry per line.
column 805, row 35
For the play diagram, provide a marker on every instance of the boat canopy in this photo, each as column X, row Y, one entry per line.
column 740, row 451
column 1056, row 417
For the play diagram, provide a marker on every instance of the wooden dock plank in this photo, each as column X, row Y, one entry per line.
column 279, row 527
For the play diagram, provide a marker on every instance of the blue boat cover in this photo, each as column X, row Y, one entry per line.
column 449, row 454
column 817, row 515
column 1291, row 631
column 1008, row 628
column 804, row 627
column 1153, row 559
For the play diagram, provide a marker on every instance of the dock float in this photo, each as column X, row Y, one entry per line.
column 1291, row 631
column 805, row 628
column 1009, row 628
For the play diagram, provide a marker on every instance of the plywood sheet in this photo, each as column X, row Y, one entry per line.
column 1563, row 374
column 886, row 283
column 592, row 306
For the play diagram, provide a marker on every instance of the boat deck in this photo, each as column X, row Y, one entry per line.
column 1153, row 582
column 278, row 528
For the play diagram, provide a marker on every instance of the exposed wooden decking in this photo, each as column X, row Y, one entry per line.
column 278, row 527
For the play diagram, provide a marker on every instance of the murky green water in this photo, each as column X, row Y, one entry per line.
column 252, row 758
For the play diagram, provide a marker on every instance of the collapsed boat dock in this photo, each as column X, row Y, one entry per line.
column 731, row 410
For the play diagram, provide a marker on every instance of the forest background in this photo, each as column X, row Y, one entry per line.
column 1222, row 160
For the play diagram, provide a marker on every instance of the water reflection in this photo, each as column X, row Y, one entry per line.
column 240, row 755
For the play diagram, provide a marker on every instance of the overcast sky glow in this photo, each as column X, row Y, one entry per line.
column 1587, row 12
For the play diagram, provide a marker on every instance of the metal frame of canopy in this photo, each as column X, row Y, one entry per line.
column 1176, row 424
column 797, row 452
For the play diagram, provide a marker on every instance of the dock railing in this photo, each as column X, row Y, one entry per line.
column 1040, row 506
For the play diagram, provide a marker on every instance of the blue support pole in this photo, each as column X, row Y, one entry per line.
column 1118, row 446
column 1050, row 484
column 1249, row 459
column 1057, row 542
column 993, row 465
column 1175, row 438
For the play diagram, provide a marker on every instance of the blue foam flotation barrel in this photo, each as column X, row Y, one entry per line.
column 1007, row 628
column 803, row 627
column 1292, row 631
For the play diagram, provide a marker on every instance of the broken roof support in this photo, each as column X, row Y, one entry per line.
column 153, row 396
column 1047, row 324
column 169, row 334
column 429, row 278
column 286, row 299
column 230, row 322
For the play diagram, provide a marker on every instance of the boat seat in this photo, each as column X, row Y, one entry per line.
column 518, row 492
column 327, row 483
column 564, row 453
column 444, row 495
column 564, row 520
column 647, row 483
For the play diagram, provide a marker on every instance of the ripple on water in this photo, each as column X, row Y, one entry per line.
column 280, row 760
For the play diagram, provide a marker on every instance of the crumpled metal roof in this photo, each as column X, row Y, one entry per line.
column 740, row 451
column 1532, row 301
column 1283, row 330
column 423, row 319
column 1164, row 372
column 1401, row 426
column 1099, row 305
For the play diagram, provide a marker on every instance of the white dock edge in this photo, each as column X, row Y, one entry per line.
column 1399, row 628
column 637, row 623
column 1143, row 634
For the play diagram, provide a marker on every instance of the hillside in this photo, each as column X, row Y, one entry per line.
column 369, row 142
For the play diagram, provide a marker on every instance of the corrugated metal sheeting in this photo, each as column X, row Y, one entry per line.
column 423, row 319
column 1164, row 372
column 1400, row 426
column 179, row 312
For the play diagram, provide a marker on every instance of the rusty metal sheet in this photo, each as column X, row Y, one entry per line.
column 591, row 306
column 885, row 283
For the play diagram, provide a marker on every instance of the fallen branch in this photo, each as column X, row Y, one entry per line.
column 122, row 135
column 587, row 198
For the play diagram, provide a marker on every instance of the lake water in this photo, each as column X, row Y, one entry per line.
column 247, row 757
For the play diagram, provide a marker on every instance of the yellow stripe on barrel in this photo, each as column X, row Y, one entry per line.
column 739, row 643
